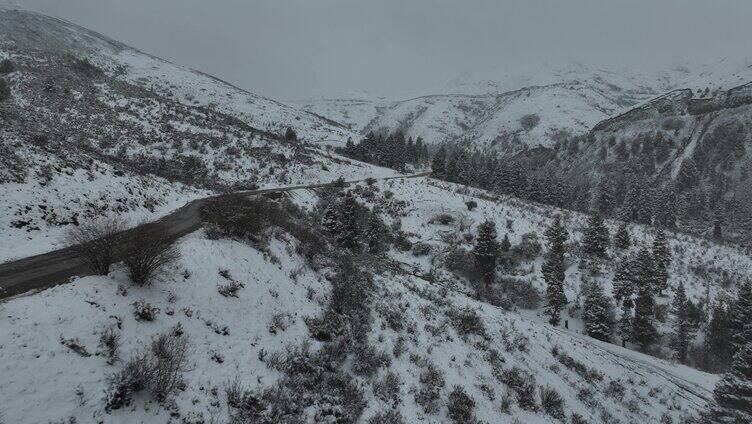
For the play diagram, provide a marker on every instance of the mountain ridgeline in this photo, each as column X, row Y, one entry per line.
column 678, row 162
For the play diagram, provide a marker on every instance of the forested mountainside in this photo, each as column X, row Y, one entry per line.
column 679, row 161
column 381, row 301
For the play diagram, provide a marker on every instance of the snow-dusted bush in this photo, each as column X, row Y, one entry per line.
column 588, row 374
column 387, row 417
column 230, row 289
column 467, row 321
column 522, row 383
column 432, row 381
column 529, row 247
column 368, row 360
column 144, row 311
column 551, row 402
column 529, row 121
column 96, row 242
column 442, row 219
column 109, row 342
column 150, row 252
column 4, row 90
column 577, row 419
column 169, row 360
column 158, row 369
column 460, row 406
column 421, row 249
column 6, row 66
column 388, row 388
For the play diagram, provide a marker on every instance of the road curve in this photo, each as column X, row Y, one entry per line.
column 57, row 267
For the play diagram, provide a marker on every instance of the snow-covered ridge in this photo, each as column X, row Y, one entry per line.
column 568, row 100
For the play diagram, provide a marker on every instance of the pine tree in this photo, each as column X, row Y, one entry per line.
column 682, row 327
column 330, row 221
column 348, row 223
column 595, row 240
column 644, row 332
column 733, row 393
column 486, row 251
column 718, row 335
column 741, row 317
column 290, row 135
column 622, row 239
column 438, row 165
column 505, row 244
column 375, row 233
column 623, row 282
column 554, row 271
column 596, row 312
column 662, row 260
column 623, row 292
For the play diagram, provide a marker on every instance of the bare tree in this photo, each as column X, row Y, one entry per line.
column 150, row 251
column 96, row 242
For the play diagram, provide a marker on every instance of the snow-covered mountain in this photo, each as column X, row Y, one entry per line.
column 525, row 108
column 282, row 322
column 90, row 127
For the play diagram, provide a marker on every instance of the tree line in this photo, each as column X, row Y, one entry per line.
column 391, row 151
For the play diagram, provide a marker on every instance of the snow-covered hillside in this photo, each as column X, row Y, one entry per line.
column 429, row 337
column 488, row 112
column 91, row 127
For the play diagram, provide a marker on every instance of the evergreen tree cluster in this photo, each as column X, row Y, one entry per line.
column 353, row 226
column 392, row 151
column 624, row 190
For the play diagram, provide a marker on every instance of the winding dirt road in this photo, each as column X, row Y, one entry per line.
column 57, row 267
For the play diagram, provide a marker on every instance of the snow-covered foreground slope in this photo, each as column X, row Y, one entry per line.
column 37, row 368
column 423, row 319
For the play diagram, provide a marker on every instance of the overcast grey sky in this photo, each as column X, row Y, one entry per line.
column 292, row 49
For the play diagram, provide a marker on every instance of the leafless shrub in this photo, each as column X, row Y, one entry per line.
column 230, row 289
column 159, row 369
column 280, row 321
column 4, row 90
column 442, row 219
column 96, row 242
column 577, row 419
column 109, row 341
column 170, row 361
column 552, row 403
column 150, row 251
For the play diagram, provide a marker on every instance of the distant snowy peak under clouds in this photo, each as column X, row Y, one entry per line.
column 486, row 109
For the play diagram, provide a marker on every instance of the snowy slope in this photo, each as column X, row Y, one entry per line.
column 617, row 384
column 22, row 30
column 93, row 127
